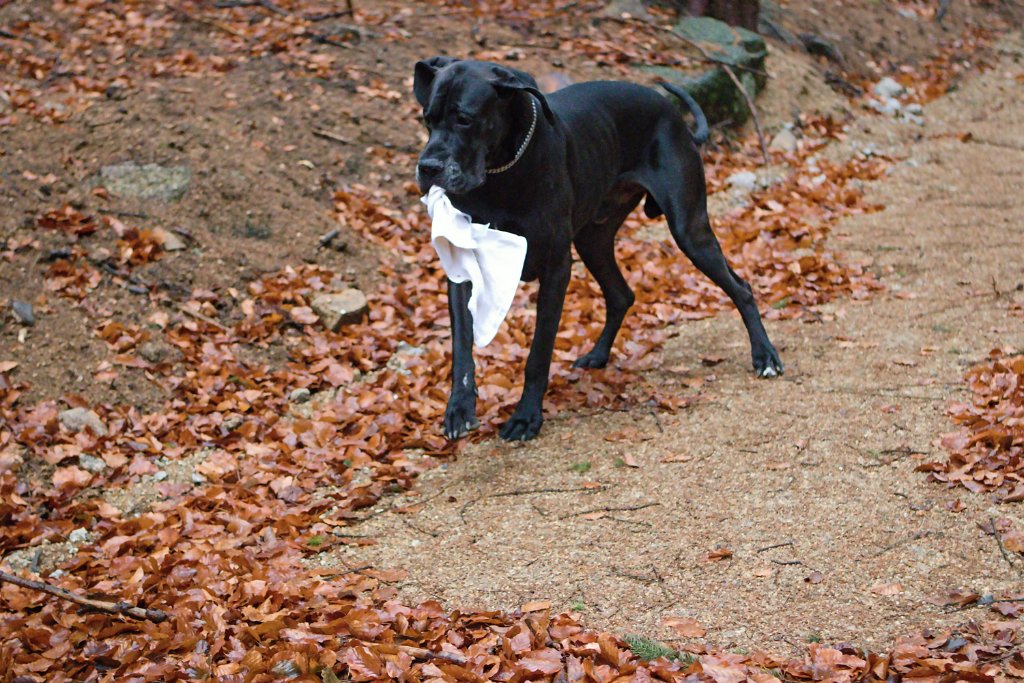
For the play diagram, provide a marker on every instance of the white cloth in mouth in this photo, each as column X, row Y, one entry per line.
column 491, row 259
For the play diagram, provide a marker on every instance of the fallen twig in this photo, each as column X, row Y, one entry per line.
column 773, row 547
column 1002, row 548
column 331, row 136
column 628, row 508
column 265, row 4
column 199, row 316
column 105, row 606
column 787, row 563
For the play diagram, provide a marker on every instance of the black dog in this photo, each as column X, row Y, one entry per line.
column 570, row 175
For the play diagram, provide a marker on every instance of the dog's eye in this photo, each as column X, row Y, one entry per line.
column 463, row 120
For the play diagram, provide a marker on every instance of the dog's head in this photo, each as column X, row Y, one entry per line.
column 470, row 108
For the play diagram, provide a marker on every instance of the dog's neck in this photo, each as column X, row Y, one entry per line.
column 518, row 138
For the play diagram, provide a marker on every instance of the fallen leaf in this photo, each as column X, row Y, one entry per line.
column 685, row 627
column 883, row 588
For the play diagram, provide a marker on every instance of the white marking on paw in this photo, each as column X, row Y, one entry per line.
column 769, row 372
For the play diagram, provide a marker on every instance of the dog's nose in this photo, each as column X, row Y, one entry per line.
column 428, row 168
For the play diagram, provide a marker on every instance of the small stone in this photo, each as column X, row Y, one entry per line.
column 160, row 475
column 743, row 181
column 784, row 141
column 56, row 574
column 152, row 352
column 79, row 536
column 300, row 395
column 23, row 312
column 198, row 478
column 627, row 9
column 914, row 108
column 169, row 240
column 91, row 463
column 233, row 423
column 77, row 419
column 888, row 106
column 340, row 308
column 149, row 181
column 887, row 88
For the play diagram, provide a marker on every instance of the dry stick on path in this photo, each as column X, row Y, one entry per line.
column 728, row 68
column 105, row 606
column 1002, row 548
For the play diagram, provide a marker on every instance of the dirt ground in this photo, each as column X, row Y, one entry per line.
column 809, row 481
column 774, row 513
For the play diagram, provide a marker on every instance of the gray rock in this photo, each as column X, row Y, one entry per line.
column 152, row 352
column 888, row 106
column 887, row 88
column 742, row 181
column 626, row 9
column 149, row 181
column 91, row 463
column 784, row 141
column 169, row 240
column 340, row 308
column 80, row 536
column 160, row 475
column 23, row 312
column 77, row 419
column 399, row 362
column 198, row 478
column 300, row 395
column 233, row 422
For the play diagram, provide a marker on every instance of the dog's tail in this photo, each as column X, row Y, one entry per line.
column 700, row 136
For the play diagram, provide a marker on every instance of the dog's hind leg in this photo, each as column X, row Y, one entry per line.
column 685, row 207
column 595, row 244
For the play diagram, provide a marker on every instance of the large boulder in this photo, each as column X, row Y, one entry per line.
column 714, row 90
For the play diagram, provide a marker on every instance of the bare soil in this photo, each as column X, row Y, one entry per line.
column 809, row 481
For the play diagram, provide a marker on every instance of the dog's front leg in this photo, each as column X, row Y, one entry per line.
column 460, row 416
column 526, row 420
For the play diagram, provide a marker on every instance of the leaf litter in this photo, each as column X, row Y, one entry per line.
column 222, row 553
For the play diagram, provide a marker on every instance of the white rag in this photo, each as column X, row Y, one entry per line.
column 491, row 259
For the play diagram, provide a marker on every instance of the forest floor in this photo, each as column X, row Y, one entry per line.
column 772, row 514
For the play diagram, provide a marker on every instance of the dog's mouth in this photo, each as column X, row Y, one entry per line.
column 451, row 178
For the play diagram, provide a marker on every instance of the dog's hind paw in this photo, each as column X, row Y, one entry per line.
column 767, row 363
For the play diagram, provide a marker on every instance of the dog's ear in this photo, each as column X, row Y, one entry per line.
column 424, row 76
column 509, row 80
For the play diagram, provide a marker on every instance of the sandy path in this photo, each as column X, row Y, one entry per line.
column 820, row 463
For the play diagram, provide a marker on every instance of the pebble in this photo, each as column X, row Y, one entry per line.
column 784, row 141
column 77, row 419
column 300, row 395
column 79, row 536
column 887, row 88
column 160, row 475
column 742, row 181
column 340, row 308
column 198, row 478
column 91, row 463
column 23, row 312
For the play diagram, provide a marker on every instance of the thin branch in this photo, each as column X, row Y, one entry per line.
column 199, row 316
column 105, row 606
column 773, row 547
column 628, row 508
column 1002, row 548
column 328, row 135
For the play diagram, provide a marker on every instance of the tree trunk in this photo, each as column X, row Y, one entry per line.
column 734, row 12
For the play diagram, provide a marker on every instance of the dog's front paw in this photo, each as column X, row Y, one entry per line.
column 767, row 363
column 460, row 416
column 592, row 360
column 523, row 425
